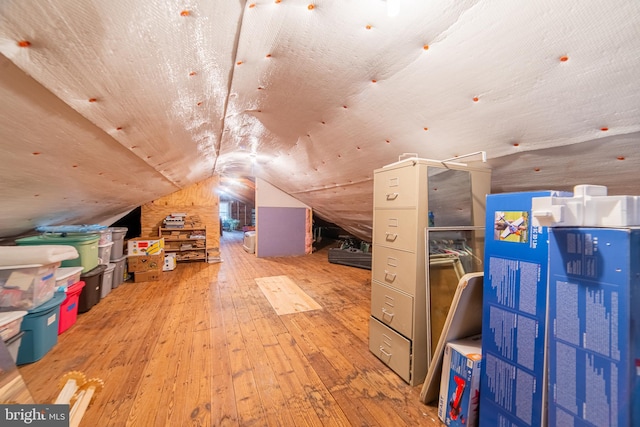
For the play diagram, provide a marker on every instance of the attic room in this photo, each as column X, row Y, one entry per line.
column 516, row 124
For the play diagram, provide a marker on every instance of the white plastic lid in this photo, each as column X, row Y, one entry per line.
column 7, row 317
column 17, row 267
column 65, row 272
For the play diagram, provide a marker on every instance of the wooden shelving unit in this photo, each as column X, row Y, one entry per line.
column 189, row 244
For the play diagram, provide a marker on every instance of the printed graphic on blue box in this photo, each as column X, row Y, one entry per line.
column 512, row 390
column 594, row 348
column 34, row 415
column 459, row 383
column 511, row 226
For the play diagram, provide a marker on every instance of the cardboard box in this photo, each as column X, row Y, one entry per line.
column 594, row 339
column 141, row 246
column 460, row 382
column 513, row 390
column 169, row 262
column 141, row 264
column 147, row 276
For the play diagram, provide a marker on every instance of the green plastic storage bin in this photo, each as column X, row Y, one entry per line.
column 85, row 244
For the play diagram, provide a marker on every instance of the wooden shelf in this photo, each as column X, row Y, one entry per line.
column 182, row 235
column 183, row 229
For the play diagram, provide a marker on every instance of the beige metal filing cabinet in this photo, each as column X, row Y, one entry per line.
column 405, row 193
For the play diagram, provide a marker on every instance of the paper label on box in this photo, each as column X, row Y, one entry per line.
column 51, row 319
column 143, row 247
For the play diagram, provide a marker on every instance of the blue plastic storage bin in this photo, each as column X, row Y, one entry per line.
column 40, row 327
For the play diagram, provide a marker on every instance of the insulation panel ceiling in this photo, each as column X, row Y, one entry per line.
column 124, row 102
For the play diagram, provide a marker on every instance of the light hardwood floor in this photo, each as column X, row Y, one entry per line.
column 204, row 347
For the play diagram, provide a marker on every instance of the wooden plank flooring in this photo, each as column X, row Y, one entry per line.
column 204, row 347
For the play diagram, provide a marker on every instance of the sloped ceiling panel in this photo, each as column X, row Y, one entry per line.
column 153, row 76
column 324, row 95
column 56, row 167
column 312, row 96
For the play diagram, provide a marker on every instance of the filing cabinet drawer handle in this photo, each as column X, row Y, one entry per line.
column 390, row 237
column 387, row 314
column 388, row 276
column 392, row 196
column 388, row 355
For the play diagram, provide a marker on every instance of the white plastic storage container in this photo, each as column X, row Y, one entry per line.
column 104, row 253
column 107, row 280
column 105, row 236
column 23, row 287
column 67, row 276
column 10, row 322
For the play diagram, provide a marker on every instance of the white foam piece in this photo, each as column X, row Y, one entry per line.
column 590, row 206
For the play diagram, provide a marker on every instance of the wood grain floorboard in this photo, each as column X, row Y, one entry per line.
column 204, row 347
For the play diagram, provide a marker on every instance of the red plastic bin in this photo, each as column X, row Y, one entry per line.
column 69, row 307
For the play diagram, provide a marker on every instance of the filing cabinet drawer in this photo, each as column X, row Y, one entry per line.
column 392, row 348
column 395, row 229
column 395, row 188
column 393, row 308
column 395, row 268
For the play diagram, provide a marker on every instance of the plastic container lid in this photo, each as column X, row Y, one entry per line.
column 122, row 258
column 9, row 316
column 16, row 267
column 14, row 338
column 75, row 288
column 83, row 228
column 10, row 322
column 110, row 268
column 106, row 245
column 66, row 272
column 95, row 271
column 57, row 238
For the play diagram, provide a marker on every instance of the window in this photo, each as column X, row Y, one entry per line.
column 224, row 210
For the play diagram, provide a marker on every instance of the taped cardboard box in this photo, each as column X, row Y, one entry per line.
column 141, row 246
column 141, row 264
column 146, row 276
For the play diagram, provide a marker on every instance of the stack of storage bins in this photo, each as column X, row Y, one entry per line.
column 31, row 288
column 87, row 245
column 117, row 255
column 105, row 247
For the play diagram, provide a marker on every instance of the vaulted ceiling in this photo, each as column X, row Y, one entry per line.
column 107, row 105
